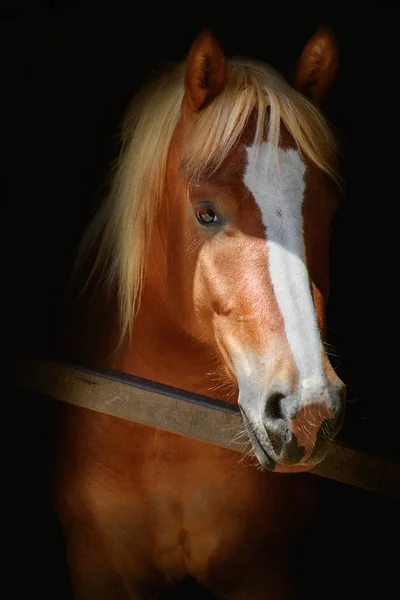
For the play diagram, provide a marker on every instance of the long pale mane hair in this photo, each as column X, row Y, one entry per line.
column 120, row 232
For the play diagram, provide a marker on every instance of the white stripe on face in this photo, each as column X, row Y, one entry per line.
column 278, row 189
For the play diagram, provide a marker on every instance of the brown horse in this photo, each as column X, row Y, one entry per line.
column 212, row 250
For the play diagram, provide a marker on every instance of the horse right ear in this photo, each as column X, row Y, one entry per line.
column 317, row 66
column 205, row 72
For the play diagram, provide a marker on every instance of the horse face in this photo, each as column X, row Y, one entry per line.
column 261, row 283
column 259, row 230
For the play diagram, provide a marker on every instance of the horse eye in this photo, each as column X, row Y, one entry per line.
column 206, row 216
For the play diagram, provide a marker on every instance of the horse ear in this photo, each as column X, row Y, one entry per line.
column 317, row 66
column 205, row 71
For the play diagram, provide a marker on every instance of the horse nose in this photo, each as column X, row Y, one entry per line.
column 297, row 424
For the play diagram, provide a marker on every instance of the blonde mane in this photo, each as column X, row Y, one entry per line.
column 120, row 231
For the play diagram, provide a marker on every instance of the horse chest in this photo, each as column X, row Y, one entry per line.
column 161, row 506
column 203, row 506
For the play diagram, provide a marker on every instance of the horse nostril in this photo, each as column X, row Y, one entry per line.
column 274, row 409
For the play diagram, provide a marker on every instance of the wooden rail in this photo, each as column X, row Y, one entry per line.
column 146, row 402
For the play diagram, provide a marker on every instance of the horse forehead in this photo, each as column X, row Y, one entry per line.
column 233, row 169
column 275, row 179
column 274, row 171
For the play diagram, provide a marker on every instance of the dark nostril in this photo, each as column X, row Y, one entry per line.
column 274, row 406
column 278, row 408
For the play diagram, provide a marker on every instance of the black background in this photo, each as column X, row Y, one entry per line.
column 68, row 73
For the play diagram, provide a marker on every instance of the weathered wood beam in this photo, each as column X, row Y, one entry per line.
column 179, row 412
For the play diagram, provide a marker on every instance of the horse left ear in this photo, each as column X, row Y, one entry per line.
column 317, row 66
column 205, row 72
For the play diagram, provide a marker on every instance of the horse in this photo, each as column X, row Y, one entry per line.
column 209, row 271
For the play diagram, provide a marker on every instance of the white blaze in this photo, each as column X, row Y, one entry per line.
column 278, row 188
